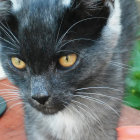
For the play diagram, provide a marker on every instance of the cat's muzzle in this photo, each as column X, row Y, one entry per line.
column 46, row 104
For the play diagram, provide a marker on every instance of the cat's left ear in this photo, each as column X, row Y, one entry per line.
column 94, row 3
column 89, row 4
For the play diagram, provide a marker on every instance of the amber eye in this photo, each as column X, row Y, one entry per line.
column 19, row 64
column 68, row 60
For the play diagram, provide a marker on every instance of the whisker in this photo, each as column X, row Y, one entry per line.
column 96, row 117
column 14, row 45
column 99, row 88
column 10, row 32
column 19, row 103
column 81, row 114
column 121, row 64
column 72, row 107
column 75, row 103
column 10, row 100
column 13, row 49
column 98, row 101
column 84, row 111
column 7, row 34
column 121, row 67
column 10, row 95
column 85, row 93
column 8, row 90
column 59, row 29
column 83, row 108
column 7, row 93
column 9, row 53
column 76, row 110
column 62, row 37
column 67, row 108
column 9, row 85
column 99, row 94
column 78, row 39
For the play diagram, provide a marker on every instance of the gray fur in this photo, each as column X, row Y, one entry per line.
column 95, row 115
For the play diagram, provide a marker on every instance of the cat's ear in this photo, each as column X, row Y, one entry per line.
column 5, row 6
column 89, row 5
column 96, row 3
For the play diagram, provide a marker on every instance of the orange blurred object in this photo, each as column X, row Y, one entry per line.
column 11, row 123
column 129, row 133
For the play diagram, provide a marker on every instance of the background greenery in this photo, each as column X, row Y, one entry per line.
column 133, row 80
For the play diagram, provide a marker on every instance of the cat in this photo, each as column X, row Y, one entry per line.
column 68, row 58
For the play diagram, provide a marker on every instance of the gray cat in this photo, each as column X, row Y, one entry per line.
column 68, row 58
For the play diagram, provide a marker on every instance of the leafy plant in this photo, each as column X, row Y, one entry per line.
column 133, row 80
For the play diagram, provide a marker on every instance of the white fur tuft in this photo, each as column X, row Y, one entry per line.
column 2, row 74
column 16, row 5
column 113, row 28
column 66, row 3
column 115, row 18
column 65, row 124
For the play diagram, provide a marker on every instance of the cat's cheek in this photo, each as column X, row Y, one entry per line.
column 18, row 78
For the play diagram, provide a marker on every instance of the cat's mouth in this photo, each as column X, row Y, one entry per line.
column 50, row 107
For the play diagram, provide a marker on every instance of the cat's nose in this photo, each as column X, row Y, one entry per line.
column 41, row 99
column 39, row 91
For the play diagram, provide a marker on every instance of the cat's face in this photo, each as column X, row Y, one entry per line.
column 57, row 47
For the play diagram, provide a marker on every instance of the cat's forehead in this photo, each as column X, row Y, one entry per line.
column 38, row 8
column 17, row 5
column 39, row 14
column 38, row 18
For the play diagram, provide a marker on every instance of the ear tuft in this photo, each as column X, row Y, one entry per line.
column 109, row 3
column 5, row 6
column 66, row 3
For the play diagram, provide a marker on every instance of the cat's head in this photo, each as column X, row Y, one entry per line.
column 49, row 48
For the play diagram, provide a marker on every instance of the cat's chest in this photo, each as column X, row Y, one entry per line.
column 61, row 127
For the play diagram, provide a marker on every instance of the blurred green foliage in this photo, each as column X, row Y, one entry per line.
column 133, row 80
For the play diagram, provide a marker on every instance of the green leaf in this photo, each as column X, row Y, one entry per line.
column 133, row 80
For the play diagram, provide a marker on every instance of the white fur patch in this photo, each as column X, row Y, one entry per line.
column 115, row 18
column 66, row 3
column 109, row 4
column 2, row 74
column 16, row 5
column 64, row 126
column 113, row 28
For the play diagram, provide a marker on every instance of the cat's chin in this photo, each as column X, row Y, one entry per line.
column 47, row 111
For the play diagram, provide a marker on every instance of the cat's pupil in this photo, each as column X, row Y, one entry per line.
column 67, row 58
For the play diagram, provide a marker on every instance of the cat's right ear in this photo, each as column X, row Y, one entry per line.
column 5, row 7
